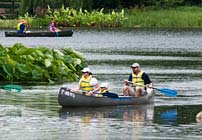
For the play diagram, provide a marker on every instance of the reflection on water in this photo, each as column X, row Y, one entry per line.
column 110, row 121
column 169, row 116
column 135, row 122
column 124, row 113
column 10, row 111
column 176, row 115
column 164, row 115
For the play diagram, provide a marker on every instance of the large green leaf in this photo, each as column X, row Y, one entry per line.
column 23, row 68
column 23, row 51
column 37, row 73
column 47, row 62
column 58, row 54
column 68, row 59
column 8, row 69
column 3, row 51
column 11, row 62
column 39, row 53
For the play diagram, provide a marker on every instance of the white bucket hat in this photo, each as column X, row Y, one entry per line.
column 86, row 70
column 135, row 65
column 105, row 85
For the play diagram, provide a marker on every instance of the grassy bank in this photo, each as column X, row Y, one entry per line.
column 181, row 17
column 8, row 23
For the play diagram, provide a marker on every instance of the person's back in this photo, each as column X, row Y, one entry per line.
column 21, row 26
column 52, row 28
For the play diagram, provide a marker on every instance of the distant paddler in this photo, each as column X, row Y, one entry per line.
column 52, row 27
column 21, row 27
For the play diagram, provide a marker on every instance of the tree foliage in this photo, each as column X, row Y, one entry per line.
column 39, row 7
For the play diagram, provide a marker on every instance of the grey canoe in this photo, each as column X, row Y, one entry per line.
column 71, row 99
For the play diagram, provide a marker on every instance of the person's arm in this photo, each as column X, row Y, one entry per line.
column 147, row 80
column 22, row 28
column 129, row 80
column 77, row 89
column 130, row 77
column 51, row 28
column 96, row 86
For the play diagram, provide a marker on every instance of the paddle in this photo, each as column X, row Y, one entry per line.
column 11, row 87
column 166, row 91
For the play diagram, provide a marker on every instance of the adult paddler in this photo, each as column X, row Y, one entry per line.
column 88, row 84
column 21, row 27
column 139, row 79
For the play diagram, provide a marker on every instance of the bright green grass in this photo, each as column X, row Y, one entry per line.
column 184, row 17
column 8, row 23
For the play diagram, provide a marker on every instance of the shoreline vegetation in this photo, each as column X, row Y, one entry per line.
column 180, row 17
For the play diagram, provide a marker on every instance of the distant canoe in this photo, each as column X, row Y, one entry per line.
column 67, row 33
column 72, row 99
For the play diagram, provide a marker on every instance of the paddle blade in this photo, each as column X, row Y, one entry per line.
column 168, row 92
column 11, row 87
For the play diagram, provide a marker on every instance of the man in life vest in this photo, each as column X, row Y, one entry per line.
column 139, row 80
column 21, row 27
column 88, row 84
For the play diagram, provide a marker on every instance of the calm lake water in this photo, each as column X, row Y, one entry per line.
column 172, row 58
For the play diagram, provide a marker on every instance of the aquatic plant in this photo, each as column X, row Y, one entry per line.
column 20, row 63
column 72, row 17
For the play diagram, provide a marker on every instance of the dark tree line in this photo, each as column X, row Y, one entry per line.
column 39, row 7
column 116, row 4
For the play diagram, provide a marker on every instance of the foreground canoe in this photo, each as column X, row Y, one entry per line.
column 71, row 99
column 67, row 33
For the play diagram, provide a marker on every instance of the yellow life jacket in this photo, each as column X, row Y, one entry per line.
column 104, row 90
column 137, row 79
column 18, row 26
column 85, row 84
